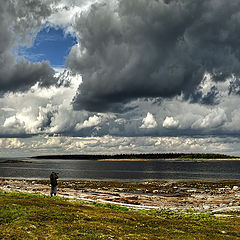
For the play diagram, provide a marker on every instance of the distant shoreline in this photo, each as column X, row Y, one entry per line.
column 145, row 157
column 169, row 159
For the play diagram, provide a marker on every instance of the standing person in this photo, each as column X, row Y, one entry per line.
column 54, row 183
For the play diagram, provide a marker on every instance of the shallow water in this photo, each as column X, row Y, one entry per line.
column 122, row 170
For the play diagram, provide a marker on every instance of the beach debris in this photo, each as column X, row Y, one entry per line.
column 173, row 195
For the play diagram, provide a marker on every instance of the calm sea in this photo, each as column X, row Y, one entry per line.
column 121, row 170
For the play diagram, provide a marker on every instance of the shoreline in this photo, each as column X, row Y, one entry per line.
column 130, row 180
column 168, row 159
column 174, row 195
column 32, row 159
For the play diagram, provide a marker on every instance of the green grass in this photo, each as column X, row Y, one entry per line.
column 28, row 216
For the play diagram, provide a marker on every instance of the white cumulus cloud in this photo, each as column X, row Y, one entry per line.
column 90, row 122
column 149, row 121
column 170, row 122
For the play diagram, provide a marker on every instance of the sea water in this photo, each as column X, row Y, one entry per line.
column 120, row 170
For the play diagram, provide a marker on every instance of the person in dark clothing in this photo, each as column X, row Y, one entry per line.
column 54, row 183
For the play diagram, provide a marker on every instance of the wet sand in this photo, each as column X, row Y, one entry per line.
column 209, row 196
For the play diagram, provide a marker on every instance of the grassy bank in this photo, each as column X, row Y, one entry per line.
column 26, row 216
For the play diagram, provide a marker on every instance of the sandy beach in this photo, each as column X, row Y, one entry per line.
column 219, row 196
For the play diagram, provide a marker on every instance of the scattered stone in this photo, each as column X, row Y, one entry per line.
column 173, row 195
column 191, row 190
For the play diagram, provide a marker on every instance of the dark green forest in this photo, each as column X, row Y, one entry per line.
column 154, row 156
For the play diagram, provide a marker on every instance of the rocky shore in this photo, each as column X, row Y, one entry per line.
column 219, row 196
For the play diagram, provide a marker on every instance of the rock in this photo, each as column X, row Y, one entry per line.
column 235, row 188
column 236, row 204
column 206, row 207
column 115, row 190
column 222, row 205
column 64, row 193
column 132, row 197
column 192, row 190
column 155, row 191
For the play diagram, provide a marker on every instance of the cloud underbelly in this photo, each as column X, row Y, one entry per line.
column 143, row 49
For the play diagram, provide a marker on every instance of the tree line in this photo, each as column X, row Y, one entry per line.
column 156, row 156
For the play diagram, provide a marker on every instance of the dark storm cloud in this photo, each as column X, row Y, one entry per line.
column 19, row 23
column 24, row 75
column 149, row 48
column 211, row 98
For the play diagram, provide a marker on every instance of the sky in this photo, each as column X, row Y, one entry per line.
column 50, row 44
column 119, row 76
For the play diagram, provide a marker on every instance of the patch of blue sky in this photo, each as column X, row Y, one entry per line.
column 51, row 44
